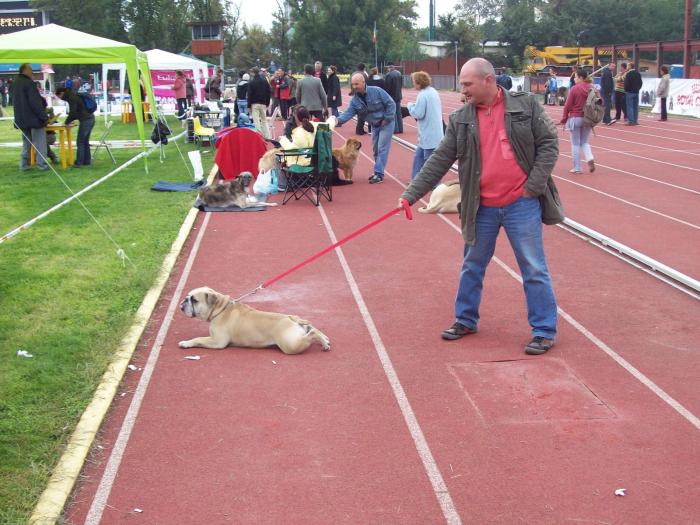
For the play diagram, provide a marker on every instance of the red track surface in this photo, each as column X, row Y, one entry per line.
column 254, row 436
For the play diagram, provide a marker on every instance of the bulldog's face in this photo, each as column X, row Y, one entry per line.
column 199, row 302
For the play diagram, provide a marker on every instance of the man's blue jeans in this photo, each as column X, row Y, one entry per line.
column 83, row 157
column 632, row 107
column 381, row 142
column 522, row 221
column 419, row 159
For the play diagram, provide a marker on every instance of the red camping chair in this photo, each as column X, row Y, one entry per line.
column 239, row 150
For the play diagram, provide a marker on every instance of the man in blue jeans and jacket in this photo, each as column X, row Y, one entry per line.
column 633, row 85
column 379, row 111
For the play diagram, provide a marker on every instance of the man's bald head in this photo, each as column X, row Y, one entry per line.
column 479, row 67
column 478, row 81
column 357, row 82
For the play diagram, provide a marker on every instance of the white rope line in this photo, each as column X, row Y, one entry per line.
column 76, row 196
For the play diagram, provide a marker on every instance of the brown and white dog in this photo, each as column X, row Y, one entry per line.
column 232, row 323
column 347, row 156
column 444, row 198
column 228, row 193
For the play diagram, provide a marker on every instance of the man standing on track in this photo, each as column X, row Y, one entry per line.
column 379, row 110
column 507, row 146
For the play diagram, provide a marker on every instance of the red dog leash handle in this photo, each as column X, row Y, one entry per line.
column 407, row 209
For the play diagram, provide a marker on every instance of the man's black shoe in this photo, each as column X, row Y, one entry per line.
column 457, row 331
column 376, row 179
column 539, row 345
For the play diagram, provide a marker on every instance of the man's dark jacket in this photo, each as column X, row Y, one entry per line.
column 259, row 91
column 633, row 81
column 29, row 111
column 392, row 83
column 607, row 83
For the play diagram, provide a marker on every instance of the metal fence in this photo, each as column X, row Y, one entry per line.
column 439, row 81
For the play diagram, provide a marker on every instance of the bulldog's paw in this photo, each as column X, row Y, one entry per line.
column 326, row 345
column 185, row 344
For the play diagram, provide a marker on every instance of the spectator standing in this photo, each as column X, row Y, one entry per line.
column 321, row 75
column 633, row 84
column 662, row 91
column 274, row 93
column 292, row 89
column 86, row 122
column 394, row 83
column 379, row 109
column 180, row 88
column 573, row 119
column 3, row 93
column 504, row 80
column 360, row 126
column 242, row 95
column 189, row 91
column 375, row 79
column 620, row 99
column 311, row 95
column 282, row 91
column 258, row 100
column 10, row 92
column 30, row 118
column 427, row 110
column 503, row 183
column 213, row 87
column 607, row 88
column 335, row 98
column 552, row 87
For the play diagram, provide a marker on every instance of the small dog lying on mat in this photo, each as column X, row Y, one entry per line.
column 227, row 194
column 237, row 324
column 347, row 156
column 444, row 199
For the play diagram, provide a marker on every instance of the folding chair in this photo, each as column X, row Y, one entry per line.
column 103, row 141
column 202, row 133
column 312, row 181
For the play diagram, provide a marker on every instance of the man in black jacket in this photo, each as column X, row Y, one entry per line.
column 633, row 84
column 393, row 82
column 30, row 118
column 258, row 99
column 607, row 87
column 86, row 122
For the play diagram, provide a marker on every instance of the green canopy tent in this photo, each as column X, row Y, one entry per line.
column 54, row 44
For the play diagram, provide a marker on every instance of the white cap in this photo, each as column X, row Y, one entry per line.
column 246, row 76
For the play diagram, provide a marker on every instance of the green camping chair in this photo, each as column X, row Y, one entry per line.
column 313, row 181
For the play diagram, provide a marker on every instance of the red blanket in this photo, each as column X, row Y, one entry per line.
column 239, row 151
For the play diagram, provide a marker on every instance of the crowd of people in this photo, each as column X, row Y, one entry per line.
column 375, row 102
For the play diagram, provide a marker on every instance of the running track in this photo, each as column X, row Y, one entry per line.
column 396, row 426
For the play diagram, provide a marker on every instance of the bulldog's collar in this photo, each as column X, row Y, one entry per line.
column 212, row 317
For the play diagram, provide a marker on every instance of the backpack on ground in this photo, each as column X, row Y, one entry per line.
column 89, row 103
column 593, row 108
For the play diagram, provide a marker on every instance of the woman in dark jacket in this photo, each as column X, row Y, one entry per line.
column 335, row 100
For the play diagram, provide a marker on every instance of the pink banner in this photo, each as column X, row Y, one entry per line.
column 163, row 81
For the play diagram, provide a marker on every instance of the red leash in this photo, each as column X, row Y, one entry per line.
column 405, row 207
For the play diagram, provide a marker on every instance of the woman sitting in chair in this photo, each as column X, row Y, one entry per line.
column 303, row 137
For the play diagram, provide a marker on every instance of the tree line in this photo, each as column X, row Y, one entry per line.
column 341, row 32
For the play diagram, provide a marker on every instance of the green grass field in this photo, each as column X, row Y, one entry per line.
column 66, row 297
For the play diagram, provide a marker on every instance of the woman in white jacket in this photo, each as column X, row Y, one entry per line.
column 662, row 91
column 427, row 110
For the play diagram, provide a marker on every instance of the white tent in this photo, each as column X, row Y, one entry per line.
column 159, row 60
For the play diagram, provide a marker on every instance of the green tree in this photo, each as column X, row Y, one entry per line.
column 463, row 30
column 340, row 32
column 97, row 17
column 254, row 49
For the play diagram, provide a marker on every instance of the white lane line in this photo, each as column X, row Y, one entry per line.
column 99, row 502
column 682, row 188
column 642, row 378
column 691, row 225
column 431, row 468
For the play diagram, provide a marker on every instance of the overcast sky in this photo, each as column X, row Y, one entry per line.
column 259, row 11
